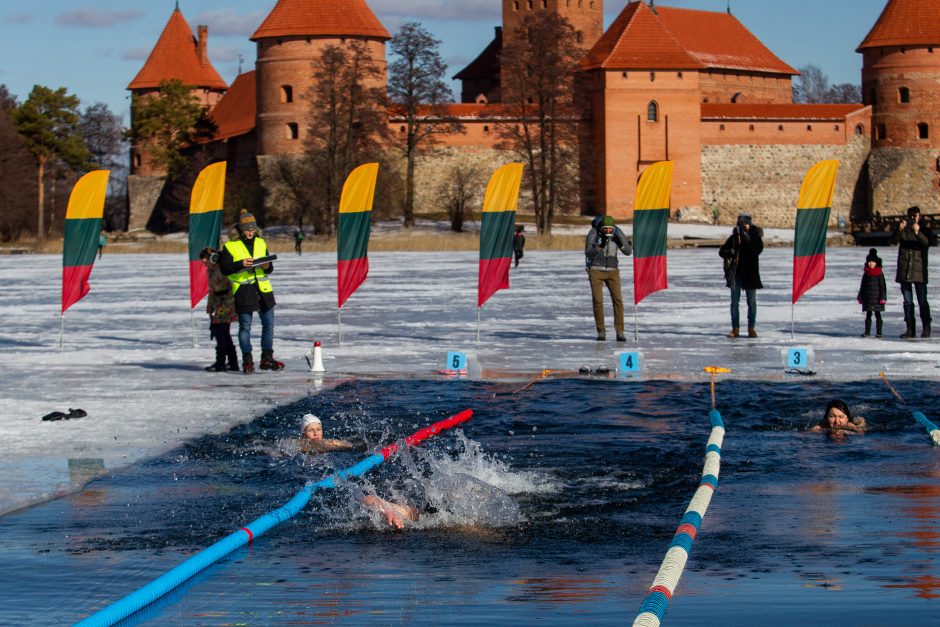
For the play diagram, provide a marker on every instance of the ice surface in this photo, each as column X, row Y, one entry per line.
column 129, row 360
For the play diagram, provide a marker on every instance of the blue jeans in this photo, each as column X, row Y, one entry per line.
column 267, row 331
column 907, row 293
column 736, row 301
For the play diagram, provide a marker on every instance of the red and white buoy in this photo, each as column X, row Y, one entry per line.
column 317, row 365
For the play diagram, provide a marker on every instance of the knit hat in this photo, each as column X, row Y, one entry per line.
column 744, row 218
column 246, row 221
column 309, row 419
column 873, row 256
column 608, row 222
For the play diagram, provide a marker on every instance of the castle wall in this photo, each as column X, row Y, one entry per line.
column 764, row 180
column 903, row 177
column 723, row 85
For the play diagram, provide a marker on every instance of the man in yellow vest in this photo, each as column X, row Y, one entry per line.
column 252, row 290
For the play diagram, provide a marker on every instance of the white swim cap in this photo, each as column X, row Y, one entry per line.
column 308, row 420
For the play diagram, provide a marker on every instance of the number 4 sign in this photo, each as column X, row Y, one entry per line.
column 629, row 363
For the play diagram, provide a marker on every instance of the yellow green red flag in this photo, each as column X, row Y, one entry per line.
column 650, row 219
column 355, row 217
column 82, row 229
column 812, row 221
column 496, row 230
column 205, row 224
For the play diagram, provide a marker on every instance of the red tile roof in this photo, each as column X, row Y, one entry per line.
column 671, row 38
column 905, row 23
column 738, row 111
column 321, row 17
column 235, row 113
column 175, row 56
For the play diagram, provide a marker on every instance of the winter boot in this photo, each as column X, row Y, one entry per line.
column 734, row 332
column 248, row 364
column 867, row 327
column 878, row 325
column 269, row 363
column 909, row 321
column 925, row 327
column 751, row 332
column 219, row 365
column 232, row 360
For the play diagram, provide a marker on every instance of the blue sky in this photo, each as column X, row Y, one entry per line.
column 94, row 49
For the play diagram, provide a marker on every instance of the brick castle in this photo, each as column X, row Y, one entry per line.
column 692, row 86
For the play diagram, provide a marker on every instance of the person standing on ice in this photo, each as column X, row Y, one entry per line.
column 914, row 237
column 518, row 243
column 221, row 309
column 742, row 271
column 600, row 252
column 252, row 290
column 872, row 293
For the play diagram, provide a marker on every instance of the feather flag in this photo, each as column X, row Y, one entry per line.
column 650, row 218
column 82, row 229
column 496, row 230
column 355, row 215
column 205, row 223
column 812, row 220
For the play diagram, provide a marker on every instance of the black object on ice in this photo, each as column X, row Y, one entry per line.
column 58, row 415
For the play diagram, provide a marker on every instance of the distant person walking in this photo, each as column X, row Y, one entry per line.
column 872, row 293
column 102, row 242
column 252, row 290
column 600, row 252
column 742, row 271
column 221, row 309
column 914, row 237
column 298, row 240
column 518, row 243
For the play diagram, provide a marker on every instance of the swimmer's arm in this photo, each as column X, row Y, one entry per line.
column 816, row 429
column 334, row 444
column 858, row 424
column 392, row 516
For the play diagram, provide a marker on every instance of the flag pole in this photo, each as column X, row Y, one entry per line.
column 192, row 322
column 792, row 307
column 636, row 324
column 478, row 324
column 339, row 323
column 61, row 329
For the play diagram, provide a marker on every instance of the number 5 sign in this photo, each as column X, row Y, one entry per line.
column 456, row 361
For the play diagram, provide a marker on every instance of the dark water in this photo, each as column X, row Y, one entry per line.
column 556, row 505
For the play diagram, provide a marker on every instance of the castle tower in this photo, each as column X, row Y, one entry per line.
column 177, row 55
column 587, row 16
column 289, row 40
column 900, row 77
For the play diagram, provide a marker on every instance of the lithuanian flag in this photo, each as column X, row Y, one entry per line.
column 812, row 220
column 355, row 215
column 205, row 223
column 650, row 218
column 82, row 229
column 496, row 230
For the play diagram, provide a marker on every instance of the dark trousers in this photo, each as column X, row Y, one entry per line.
column 224, row 346
column 736, row 304
column 610, row 278
column 908, row 290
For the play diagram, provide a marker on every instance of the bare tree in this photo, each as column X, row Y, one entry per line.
column 417, row 94
column 346, row 120
column 459, row 190
column 103, row 134
column 813, row 87
column 540, row 123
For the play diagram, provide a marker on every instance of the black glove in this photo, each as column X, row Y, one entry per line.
column 618, row 241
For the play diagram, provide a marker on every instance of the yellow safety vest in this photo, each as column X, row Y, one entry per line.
column 248, row 276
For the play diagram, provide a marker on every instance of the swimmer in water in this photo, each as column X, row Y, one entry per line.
column 312, row 440
column 838, row 420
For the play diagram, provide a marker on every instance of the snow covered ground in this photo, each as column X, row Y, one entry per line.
column 129, row 361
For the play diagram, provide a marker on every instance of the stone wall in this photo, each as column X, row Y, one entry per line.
column 765, row 180
column 143, row 192
column 901, row 178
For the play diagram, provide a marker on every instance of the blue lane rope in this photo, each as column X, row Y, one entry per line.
column 171, row 579
column 932, row 430
column 664, row 585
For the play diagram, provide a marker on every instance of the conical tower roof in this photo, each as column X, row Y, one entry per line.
column 176, row 56
column 340, row 18
column 905, row 23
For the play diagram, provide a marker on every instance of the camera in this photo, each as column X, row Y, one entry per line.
column 214, row 258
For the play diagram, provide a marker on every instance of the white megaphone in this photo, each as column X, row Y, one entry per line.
column 317, row 354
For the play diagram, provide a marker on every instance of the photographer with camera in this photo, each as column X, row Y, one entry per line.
column 742, row 271
column 600, row 251
column 914, row 237
column 221, row 309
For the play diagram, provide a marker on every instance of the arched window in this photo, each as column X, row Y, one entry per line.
column 923, row 130
column 402, row 129
column 652, row 111
column 544, row 4
column 809, row 127
column 287, row 93
column 293, row 132
column 515, row 5
column 530, row 5
column 721, row 127
column 486, row 128
column 780, row 127
column 859, row 129
column 836, row 128
column 750, row 127
column 737, row 97
column 904, row 95
column 652, row 76
column 881, row 132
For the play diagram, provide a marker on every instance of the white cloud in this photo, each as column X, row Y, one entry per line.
column 18, row 18
column 227, row 23
column 95, row 18
column 419, row 10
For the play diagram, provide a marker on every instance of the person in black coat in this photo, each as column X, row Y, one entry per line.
column 742, row 271
column 914, row 237
column 873, row 293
